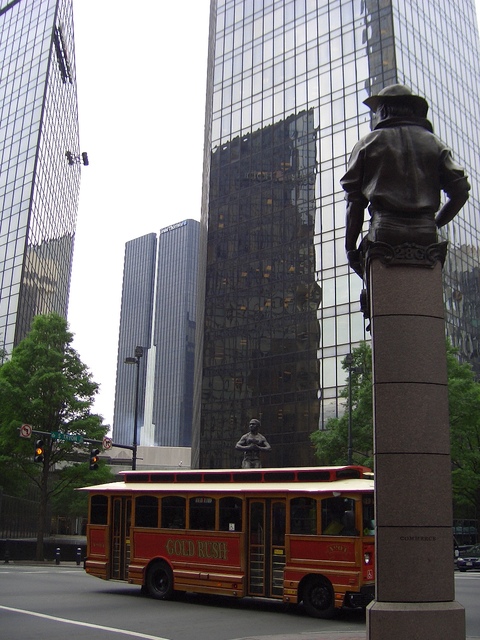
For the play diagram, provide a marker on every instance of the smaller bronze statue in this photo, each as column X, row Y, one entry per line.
column 399, row 170
column 252, row 443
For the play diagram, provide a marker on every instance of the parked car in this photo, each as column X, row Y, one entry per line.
column 469, row 559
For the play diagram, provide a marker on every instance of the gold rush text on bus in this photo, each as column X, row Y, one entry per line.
column 198, row 548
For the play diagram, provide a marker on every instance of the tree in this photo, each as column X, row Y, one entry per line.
column 464, row 407
column 71, row 503
column 331, row 444
column 46, row 385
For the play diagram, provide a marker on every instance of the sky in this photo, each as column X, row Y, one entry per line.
column 141, row 78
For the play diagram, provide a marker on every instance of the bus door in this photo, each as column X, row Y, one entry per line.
column 120, row 545
column 266, row 547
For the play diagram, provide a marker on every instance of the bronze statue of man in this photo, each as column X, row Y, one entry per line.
column 399, row 170
column 252, row 443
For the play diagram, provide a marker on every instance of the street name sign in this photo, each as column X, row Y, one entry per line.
column 68, row 437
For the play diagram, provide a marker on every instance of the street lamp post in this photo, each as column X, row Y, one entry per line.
column 351, row 369
column 349, row 361
column 135, row 360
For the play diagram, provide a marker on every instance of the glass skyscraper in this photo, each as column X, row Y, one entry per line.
column 39, row 163
column 136, row 315
column 285, row 91
column 158, row 313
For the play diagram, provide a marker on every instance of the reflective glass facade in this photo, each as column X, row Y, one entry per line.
column 158, row 313
column 286, row 83
column 38, row 186
column 136, row 315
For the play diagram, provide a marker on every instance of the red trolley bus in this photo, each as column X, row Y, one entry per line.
column 298, row 535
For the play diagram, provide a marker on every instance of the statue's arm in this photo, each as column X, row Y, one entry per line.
column 265, row 446
column 352, row 183
column 450, row 209
column 354, row 222
column 455, row 185
column 241, row 444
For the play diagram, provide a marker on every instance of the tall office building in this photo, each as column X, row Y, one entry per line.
column 136, row 315
column 40, row 162
column 158, row 314
column 285, row 90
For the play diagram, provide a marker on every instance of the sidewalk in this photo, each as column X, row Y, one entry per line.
column 324, row 635
column 15, row 549
column 40, row 563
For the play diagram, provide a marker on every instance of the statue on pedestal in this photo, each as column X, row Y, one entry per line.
column 252, row 443
column 398, row 170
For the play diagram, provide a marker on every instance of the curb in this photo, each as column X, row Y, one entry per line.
column 323, row 635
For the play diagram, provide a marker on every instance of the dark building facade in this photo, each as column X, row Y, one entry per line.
column 158, row 313
column 261, row 299
column 40, row 162
column 285, row 90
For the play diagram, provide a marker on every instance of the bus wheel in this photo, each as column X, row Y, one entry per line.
column 159, row 581
column 318, row 598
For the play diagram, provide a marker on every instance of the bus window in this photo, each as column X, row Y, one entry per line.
column 338, row 517
column 303, row 516
column 173, row 512
column 230, row 514
column 278, row 524
column 368, row 516
column 98, row 510
column 146, row 511
column 202, row 513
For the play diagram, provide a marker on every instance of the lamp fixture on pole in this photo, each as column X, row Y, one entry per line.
column 135, row 360
column 79, row 158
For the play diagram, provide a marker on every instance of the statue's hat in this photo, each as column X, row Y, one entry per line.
column 401, row 94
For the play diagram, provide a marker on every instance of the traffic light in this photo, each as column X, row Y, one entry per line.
column 39, row 451
column 94, row 459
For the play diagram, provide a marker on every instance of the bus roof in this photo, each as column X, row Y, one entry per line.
column 289, row 479
column 362, row 485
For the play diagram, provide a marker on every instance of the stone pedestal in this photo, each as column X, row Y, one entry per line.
column 415, row 621
column 414, row 543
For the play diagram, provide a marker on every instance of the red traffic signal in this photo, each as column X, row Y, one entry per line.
column 39, row 451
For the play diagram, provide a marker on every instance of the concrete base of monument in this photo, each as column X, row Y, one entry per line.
column 415, row 621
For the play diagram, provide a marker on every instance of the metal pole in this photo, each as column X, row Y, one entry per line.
column 136, row 361
column 135, row 422
column 138, row 355
column 349, row 360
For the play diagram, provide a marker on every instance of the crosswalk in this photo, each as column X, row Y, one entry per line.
column 467, row 575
